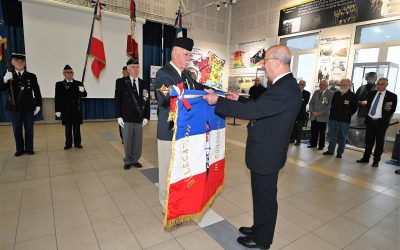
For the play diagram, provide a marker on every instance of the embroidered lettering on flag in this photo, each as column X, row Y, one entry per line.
column 197, row 168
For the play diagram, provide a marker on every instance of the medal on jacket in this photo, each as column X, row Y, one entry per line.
column 145, row 94
column 165, row 90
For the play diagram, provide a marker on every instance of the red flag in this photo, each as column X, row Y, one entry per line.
column 96, row 44
column 131, row 45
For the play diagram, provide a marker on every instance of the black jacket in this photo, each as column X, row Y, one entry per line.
column 125, row 106
column 255, row 91
column 388, row 106
column 362, row 94
column 166, row 77
column 302, row 116
column 272, row 117
column 26, row 92
column 66, row 101
column 343, row 106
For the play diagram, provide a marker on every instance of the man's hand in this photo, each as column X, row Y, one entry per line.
column 145, row 121
column 37, row 109
column 58, row 114
column 363, row 102
column 211, row 98
column 81, row 89
column 315, row 113
column 7, row 76
column 232, row 96
column 121, row 122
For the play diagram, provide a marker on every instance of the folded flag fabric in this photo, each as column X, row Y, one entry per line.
column 96, row 45
column 197, row 167
column 132, row 49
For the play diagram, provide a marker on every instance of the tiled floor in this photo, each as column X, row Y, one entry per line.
column 83, row 199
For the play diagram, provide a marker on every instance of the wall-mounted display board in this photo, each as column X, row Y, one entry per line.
column 317, row 14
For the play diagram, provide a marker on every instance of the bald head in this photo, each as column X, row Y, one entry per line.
column 302, row 84
column 323, row 84
column 345, row 85
column 277, row 61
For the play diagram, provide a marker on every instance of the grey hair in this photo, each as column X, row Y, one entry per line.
column 282, row 53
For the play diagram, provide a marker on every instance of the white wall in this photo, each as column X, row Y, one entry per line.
column 57, row 34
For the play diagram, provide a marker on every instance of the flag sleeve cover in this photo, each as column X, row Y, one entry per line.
column 197, row 166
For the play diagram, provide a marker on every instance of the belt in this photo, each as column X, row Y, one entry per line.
column 375, row 119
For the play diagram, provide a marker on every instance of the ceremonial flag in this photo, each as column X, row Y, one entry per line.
column 3, row 39
column 178, row 24
column 131, row 45
column 96, row 46
column 197, row 168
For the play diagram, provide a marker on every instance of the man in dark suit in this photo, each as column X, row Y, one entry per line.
column 257, row 89
column 132, row 109
column 171, row 74
column 24, row 102
column 67, row 106
column 344, row 105
column 301, row 116
column 271, row 117
column 362, row 94
column 381, row 105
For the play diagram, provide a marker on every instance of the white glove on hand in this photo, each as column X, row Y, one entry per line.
column 7, row 76
column 145, row 121
column 81, row 89
column 121, row 122
column 58, row 114
column 37, row 109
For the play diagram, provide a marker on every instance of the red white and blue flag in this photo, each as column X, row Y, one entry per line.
column 179, row 24
column 96, row 46
column 132, row 49
column 197, row 168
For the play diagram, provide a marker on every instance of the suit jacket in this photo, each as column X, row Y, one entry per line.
column 26, row 92
column 388, row 106
column 165, row 78
column 66, row 101
column 321, row 104
column 125, row 106
column 362, row 94
column 302, row 115
column 273, row 115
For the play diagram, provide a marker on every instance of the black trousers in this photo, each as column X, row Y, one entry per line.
column 76, row 129
column 375, row 134
column 265, row 207
column 318, row 130
column 297, row 129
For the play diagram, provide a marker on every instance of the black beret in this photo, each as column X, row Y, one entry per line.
column 67, row 67
column 183, row 42
column 18, row 56
column 124, row 68
column 371, row 74
column 132, row 61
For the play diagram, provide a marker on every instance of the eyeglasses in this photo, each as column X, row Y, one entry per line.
column 266, row 59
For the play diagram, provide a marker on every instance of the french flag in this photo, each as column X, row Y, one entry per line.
column 132, row 49
column 179, row 24
column 96, row 46
column 197, row 169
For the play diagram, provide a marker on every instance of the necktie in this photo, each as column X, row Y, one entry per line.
column 134, row 85
column 375, row 105
column 320, row 95
column 19, row 74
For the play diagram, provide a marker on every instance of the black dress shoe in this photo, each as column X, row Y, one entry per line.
column 127, row 166
column 339, row 156
column 30, row 152
column 67, row 147
column 397, row 171
column 320, row 148
column 246, row 241
column 137, row 165
column 78, row 146
column 311, row 146
column 327, row 153
column 375, row 164
column 246, row 230
column 19, row 153
column 363, row 160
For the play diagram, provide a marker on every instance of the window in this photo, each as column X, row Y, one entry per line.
column 305, row 72
column 393, row 56
column 381, row 32
column 366, row 55
column 306, row 42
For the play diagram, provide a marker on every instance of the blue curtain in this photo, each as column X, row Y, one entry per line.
column 98, row 108
column 152, row 37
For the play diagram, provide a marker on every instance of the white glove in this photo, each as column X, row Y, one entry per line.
column 81, row 89
column 145, row 121
column 121, row 122
column 7, row 76
column 37, row 109
column 58, row 114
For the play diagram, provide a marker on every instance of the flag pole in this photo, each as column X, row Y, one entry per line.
column 11, row 80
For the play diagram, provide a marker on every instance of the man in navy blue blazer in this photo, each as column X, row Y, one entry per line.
column 271, row 117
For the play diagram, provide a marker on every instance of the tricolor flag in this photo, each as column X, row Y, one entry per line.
column 197, row 168
column 131, row 45
column 178, row 24
column 3, row 39
column 96, row 46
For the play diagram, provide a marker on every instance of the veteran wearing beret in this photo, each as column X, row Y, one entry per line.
column 132, row 109
column 171, row 74
column 67, row 106
column 24, row 102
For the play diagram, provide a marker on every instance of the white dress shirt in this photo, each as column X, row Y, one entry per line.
column 378, row 113
column 136, row 82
